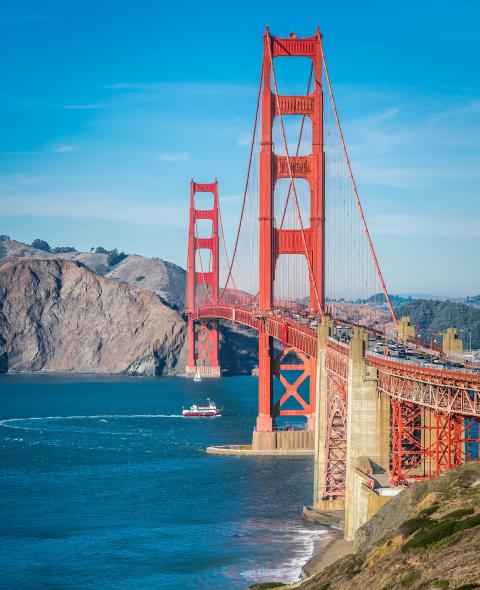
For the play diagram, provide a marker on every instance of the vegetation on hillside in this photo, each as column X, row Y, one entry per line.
column 437, row 546
column 429, row 314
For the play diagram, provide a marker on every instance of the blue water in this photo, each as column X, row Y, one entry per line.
column 104, row 486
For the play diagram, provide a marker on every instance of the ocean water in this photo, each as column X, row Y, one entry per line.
column 104, row 486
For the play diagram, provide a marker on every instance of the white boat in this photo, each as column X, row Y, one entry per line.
column 197, row 376
column 209, row 411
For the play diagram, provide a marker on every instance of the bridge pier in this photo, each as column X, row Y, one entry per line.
column 346, row 458
column 368, row 428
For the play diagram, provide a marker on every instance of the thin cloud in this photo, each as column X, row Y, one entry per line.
column 174, row 156
column 86, row 107
column 204, row 87
column 403, row 224
column 93, row 205
column 24, row 153
column 63, row 149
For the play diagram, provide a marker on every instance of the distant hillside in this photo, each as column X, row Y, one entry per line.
column 474, row 300
column 440, row 315
column 153, row 274
column 58, row 316
column 38, row 330
column 396, row 300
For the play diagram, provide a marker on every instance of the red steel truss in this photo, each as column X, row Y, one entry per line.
column 426, row 443
column 335, row 407
column 203, row 284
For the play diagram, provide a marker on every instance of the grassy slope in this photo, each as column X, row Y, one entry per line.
column 437, row 546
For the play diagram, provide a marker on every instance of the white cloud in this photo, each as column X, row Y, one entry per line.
column 63, row 148
column 94, row 205
column 403, row 224
column 86, row 107
column 174, row 156
column 244, row 140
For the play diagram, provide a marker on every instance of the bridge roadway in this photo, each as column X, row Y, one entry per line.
column 452, row 391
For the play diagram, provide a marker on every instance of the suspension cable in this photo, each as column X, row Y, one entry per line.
column 245, row 192
column 357, row 198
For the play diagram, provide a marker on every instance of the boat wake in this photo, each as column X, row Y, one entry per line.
column 23, row 423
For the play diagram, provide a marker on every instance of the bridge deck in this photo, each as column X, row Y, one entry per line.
column 445, row 390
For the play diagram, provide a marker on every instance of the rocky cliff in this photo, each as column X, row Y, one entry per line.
column 153, row 274
column 57, row 315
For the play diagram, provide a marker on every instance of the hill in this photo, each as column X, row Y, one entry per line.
column 153, row 274
column 439, row 315
column 35, row 338
column 59, row 316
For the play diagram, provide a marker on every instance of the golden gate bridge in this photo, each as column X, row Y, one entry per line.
column 304, row 274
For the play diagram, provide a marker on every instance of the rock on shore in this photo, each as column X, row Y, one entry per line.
column 59, row 316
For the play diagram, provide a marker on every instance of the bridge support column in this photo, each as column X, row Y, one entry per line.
column 325, row 331
column 367, row 428
column 202, row 285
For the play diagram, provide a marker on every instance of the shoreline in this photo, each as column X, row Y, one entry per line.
column 335, row 549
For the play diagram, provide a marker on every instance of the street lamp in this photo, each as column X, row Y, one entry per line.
column 470, row 334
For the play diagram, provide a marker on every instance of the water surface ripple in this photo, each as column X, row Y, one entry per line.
column 106, row 486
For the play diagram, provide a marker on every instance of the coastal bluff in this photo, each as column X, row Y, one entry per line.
column 59, row 316
column 426, row 537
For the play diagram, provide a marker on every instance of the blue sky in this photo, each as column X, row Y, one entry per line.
column 109, row 108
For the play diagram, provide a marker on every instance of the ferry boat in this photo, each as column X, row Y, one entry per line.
column 209, row 411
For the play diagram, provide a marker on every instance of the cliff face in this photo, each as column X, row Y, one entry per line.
column 56, row 316
column 153, row 274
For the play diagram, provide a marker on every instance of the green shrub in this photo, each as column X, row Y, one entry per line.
column 468, row 523
column 114, row 257
column 430, row 536
column 430, row 510
column 41, row 245
column 413, row 524
column 441, row 584
column 63, row 249
column 459, row 513
column 439, row 530
column 410, row 578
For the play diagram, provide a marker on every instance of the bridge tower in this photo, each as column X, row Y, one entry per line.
column 202, row 285
column 308, row 241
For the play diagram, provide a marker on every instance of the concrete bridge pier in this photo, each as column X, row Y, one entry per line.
column 367, row 434
column 368, row 441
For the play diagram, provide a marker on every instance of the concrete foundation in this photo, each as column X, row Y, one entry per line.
column 204, row 370
column 283, row 440
column 248, row 451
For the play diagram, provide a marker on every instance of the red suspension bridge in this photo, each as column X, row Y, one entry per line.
column 304, row 274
